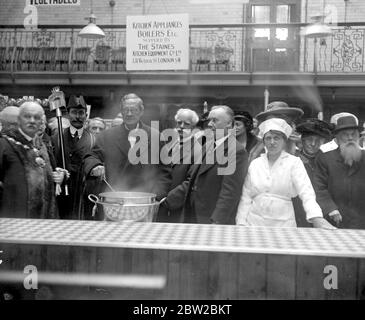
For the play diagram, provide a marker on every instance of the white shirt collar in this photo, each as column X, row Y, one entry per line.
column 79, row 131
column 29, row 139
column 137, row 127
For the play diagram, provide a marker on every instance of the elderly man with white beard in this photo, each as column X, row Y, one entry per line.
column 339, row 175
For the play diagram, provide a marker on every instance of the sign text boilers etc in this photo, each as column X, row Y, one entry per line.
column 158, row 42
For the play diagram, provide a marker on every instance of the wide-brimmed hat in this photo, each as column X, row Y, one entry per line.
column 245, row 117
column 76, row 102
column 280, row 108
column 345, row 120
column 316, row 127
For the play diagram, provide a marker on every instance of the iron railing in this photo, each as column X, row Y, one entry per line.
column 223, row 48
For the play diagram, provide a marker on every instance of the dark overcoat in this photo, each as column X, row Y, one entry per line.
column 112, row 150
column 339, row 186
column 179, row 172
column 207, row 196
column 71, row 206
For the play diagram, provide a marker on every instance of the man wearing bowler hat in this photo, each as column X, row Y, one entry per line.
column 339, row 175
column 77, row 141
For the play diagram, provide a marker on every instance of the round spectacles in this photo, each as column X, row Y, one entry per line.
column 130, row 110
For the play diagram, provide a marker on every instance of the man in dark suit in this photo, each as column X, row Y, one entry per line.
column 339, row 174
column 112, row 154
column 212, row 190
column 181, row 157
column 77, row 142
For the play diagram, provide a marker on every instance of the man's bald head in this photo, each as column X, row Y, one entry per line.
column 9, row 118
column 30, row 117
column 31, row 105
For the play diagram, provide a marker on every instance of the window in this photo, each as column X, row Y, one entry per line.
column 261, row 14
column 273, row 48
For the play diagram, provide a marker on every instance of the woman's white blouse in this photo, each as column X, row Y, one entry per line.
column 267, row 192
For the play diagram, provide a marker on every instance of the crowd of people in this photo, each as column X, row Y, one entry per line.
column 279, row 170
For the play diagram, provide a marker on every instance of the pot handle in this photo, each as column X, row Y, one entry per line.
column 93, row 198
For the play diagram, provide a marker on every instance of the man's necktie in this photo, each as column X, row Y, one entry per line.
column 76, row 136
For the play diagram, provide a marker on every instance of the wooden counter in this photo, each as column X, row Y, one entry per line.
column 199, row 261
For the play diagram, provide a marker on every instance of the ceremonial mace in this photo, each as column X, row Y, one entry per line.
column 56, row 101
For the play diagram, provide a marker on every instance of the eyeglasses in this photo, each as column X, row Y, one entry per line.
column 133, row 111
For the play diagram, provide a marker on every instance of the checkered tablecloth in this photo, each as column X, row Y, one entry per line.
column 194, row 237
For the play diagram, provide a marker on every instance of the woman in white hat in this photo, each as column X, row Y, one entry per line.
column 273, row 180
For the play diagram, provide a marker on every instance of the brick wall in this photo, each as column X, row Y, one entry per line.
column 11, row 12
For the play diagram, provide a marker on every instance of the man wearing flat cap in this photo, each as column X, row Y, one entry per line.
column 314, row 133
column 77, row 141
column 339, row 175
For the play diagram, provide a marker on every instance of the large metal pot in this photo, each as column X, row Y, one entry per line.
column 127, row 197
column 127, row 206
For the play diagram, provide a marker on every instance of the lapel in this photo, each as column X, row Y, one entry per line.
column 183, row 153
column 177, row 153
column 84, row 140
column 356, row 166
column 121, row 139
column 18, row 136
column 349, row 170
column 218, row 154
column 67, row 139
column 123, row 143
column 67, row 133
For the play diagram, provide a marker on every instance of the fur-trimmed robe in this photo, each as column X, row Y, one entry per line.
column 28, row 189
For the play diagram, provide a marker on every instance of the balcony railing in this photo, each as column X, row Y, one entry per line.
column 223, row 48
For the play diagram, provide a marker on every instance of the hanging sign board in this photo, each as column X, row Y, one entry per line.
column 217, row 1
column 158, row 42
column 54, row 2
